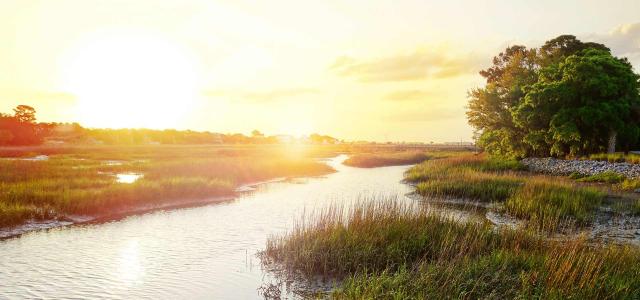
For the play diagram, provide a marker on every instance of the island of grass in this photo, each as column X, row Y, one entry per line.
column 84, row 180
column 393, row 158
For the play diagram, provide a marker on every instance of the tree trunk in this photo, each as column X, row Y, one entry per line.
column 612, row 141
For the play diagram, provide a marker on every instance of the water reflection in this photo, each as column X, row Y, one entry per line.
column 128, row 177
column 129, row 268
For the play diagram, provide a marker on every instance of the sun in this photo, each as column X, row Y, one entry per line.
column 130, row 79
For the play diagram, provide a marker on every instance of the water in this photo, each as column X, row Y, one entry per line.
column 127, row 177
column 205, row 252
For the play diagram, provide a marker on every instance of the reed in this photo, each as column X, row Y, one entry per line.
column 547, row 203
column 544, row 202
column 392, row 250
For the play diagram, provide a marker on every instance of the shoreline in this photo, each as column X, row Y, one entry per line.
column 73, row 220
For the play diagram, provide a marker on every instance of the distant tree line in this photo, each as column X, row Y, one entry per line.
column 566, row 98
column 22, row 129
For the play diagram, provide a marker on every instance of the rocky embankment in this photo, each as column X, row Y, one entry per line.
column 586, row 167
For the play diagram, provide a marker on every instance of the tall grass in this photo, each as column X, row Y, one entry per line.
column 65, row 184
column 471, row 177
column 380, row 159
column 545, row 202
column 376, row 235
column 385, row 249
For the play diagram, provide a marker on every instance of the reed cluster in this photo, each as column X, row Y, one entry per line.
column 545, row 202
column 391, row 250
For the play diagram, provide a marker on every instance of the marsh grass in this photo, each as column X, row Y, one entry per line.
column 471, row 177
column 380, row 159
column 616, row 157
column 605, row 177
column 68, row 184
column 375, row 235
column 390, row 250
column 547, row 203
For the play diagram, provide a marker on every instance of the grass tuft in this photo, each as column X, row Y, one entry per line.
column 381, row 159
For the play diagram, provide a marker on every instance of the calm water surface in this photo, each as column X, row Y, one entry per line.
column 205, row 252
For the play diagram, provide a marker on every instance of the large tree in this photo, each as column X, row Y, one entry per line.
column 566, row 98
column 581, row 104
column 490, row 107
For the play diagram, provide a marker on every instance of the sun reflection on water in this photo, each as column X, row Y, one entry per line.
column 127, row 177
column 130, row 270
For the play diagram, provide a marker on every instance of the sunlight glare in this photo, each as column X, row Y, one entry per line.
column 131, row 79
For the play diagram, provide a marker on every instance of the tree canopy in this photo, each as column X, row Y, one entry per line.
column 567, row 98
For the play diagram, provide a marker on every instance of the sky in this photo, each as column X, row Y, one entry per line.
column 356, row 70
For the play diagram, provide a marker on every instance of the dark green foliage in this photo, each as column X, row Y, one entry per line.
column 566, row 98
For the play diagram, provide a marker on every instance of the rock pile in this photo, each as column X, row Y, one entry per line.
column 585, row 167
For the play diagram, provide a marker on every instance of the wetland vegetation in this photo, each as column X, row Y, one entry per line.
column 83, row 180
column 386, row 249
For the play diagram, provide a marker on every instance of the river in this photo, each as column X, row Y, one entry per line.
column 205, row 252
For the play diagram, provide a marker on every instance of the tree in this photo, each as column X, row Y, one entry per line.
column 565, row 98
column 490, row 108
column 582, row 104
column 5, row 137
column 24, row 114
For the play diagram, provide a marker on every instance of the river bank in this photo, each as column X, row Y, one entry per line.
column 65, row 188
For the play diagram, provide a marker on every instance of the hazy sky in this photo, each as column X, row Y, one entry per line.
column 375, row 70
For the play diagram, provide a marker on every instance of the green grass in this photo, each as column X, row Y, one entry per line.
column 483, row 189
column 469, row 177
column 629, row 184
column 377, row 235
column 80, row 183
column 546, row 203
column 381, row 159
column 388, row 250
column 606, row 177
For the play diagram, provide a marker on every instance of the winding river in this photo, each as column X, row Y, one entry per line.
column 205, row 252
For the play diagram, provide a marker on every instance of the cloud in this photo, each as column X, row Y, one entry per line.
column 438, row 114
column 407, row 95
column 421, row 64
column 263, row 96
column 623, row 40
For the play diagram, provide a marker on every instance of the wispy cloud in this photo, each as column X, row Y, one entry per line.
column 420, row 64
column 407, row 95
column 264, row 95
column 437, row 114
column 623, row 40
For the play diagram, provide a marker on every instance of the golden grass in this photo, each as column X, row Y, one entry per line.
column 85, row 183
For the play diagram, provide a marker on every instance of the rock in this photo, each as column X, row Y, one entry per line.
column 585, row 167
